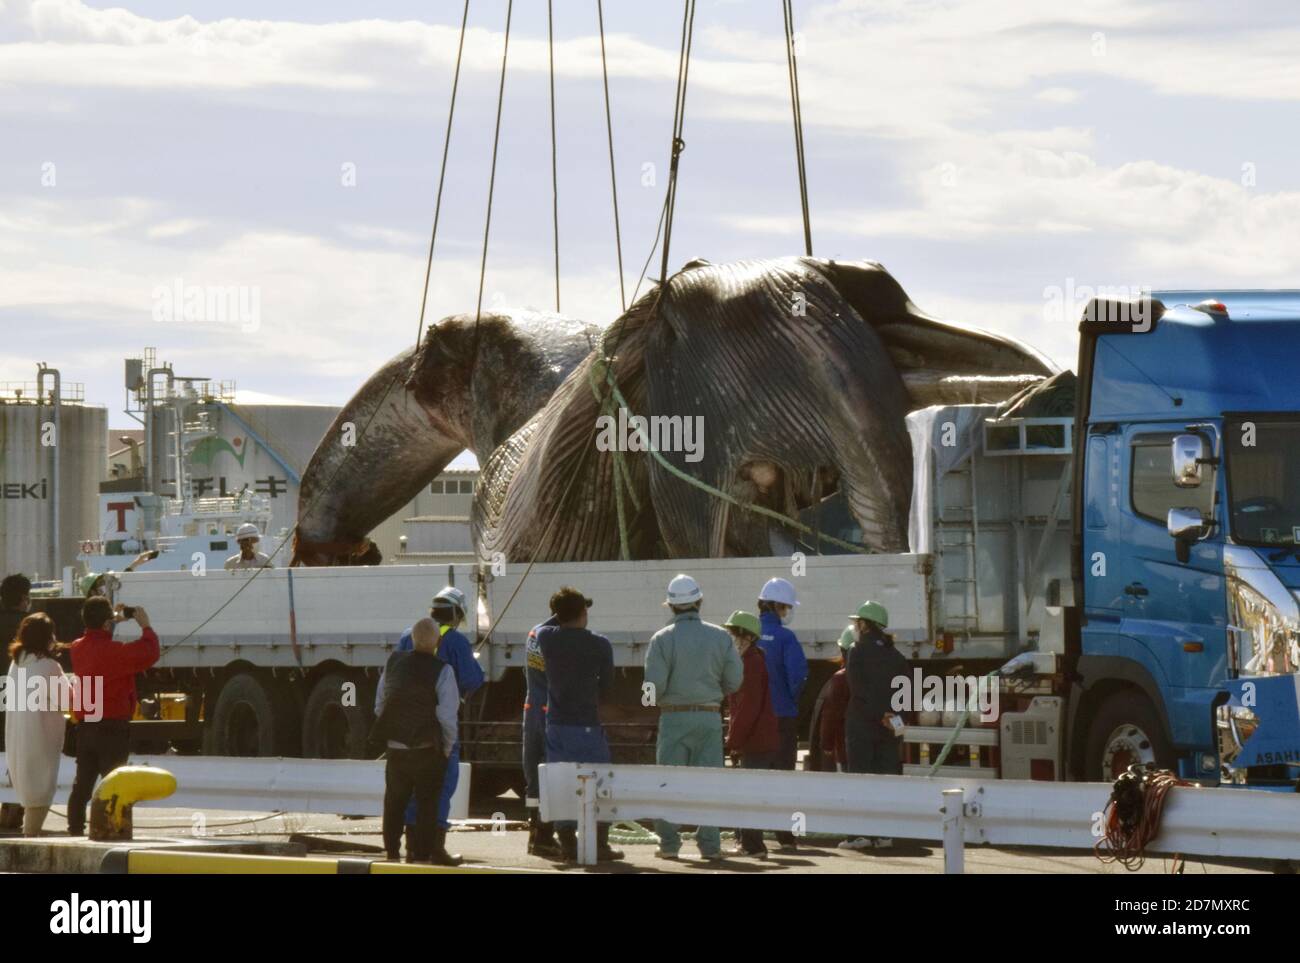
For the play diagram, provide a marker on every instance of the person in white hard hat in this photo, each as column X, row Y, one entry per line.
column 448, row 609
column 691, row 666
column 248, row 536
column 787, row 671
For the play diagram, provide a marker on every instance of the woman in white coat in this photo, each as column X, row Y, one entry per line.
column 34, row 722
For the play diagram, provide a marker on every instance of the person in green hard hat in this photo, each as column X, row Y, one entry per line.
column 870, row 736
column 752, row 734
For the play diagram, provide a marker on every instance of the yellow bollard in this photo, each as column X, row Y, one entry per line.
column 118, row 792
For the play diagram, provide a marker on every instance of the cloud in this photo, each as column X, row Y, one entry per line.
column 1164, row 218
column 898, row 69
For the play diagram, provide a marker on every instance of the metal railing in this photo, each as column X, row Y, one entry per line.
column 1228, row 823
column 346, row 787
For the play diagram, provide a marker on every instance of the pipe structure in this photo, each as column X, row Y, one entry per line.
column 56, row 400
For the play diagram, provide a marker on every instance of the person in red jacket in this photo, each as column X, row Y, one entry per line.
column 753, row 734
column 835, row 703
column 105, row 671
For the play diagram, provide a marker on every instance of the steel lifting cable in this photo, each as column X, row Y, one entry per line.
column 492, row 178
column 679, row 118
column 388, row 389
column 796, row 109
column 442, row 174
column 555, row 176
column 613, row 180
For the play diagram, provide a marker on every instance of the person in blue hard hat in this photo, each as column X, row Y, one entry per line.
column 448, row 610
column 787, row 671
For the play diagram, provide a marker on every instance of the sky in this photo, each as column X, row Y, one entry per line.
column 1002, row 159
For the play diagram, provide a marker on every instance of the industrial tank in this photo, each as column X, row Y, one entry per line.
column 36, row 463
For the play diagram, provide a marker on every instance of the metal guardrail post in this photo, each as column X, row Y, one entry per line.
column 954, row 831
column 587, row 846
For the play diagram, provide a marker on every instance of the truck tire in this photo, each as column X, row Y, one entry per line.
column 332, row 730
column 1125, row 730
column 252, row 717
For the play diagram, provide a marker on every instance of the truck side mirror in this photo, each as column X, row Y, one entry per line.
column 1186, row 525
column 1189, row 453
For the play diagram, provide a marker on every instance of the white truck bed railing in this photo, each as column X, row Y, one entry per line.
column 1232, row 823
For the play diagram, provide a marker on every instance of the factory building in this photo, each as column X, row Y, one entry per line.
column 69, row 485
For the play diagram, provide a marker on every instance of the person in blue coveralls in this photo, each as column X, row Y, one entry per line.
column 448, row 610
column 787, row 671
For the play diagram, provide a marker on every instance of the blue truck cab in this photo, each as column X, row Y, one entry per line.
column 1186, row 543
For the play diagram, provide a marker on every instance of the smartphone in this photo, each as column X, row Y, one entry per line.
column 128, row 611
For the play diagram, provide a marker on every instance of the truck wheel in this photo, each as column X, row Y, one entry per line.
column 251, row 718
column 332, row 730
column 1125, row 731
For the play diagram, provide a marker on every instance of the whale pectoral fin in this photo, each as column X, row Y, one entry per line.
column 934, row 357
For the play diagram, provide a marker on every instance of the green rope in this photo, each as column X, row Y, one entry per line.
column 603, row 371
column 952, row 740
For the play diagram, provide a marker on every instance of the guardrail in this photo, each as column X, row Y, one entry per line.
column 349, row 787
column 1230, row 823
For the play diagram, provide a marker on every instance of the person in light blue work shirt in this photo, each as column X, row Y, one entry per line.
column 787, row 671
column 448, row 610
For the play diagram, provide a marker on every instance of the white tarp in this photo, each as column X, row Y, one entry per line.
column 942, row 437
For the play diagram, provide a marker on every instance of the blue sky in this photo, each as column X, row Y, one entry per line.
column 991, row 154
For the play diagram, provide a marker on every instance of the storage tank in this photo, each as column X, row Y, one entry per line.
column 35, row 463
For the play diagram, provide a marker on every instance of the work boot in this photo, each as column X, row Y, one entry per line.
column 568, row 836
column 604, row 852
column 408, row 837
column 440, row 856
column 541, row 837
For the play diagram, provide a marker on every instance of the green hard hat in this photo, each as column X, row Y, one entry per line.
column 740, row 619
column 873, row 611
column 847, row 638
column 88, row 582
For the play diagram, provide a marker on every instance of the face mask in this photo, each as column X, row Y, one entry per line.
column 788, row 617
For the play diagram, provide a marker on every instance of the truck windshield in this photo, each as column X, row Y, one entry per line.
column 1263, row 456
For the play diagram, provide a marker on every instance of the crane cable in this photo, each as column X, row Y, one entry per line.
column 679, row 119
column 555, row 176
column 492, row 179
column 613, row 179
column 442, row 174
column 796, row 109
column 433, row 236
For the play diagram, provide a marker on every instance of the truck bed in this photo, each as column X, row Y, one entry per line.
column 355, row 614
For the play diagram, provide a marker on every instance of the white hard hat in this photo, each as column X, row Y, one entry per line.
column 683, row 590
column 778, row 590
column 248, row 530
column 452, row 596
